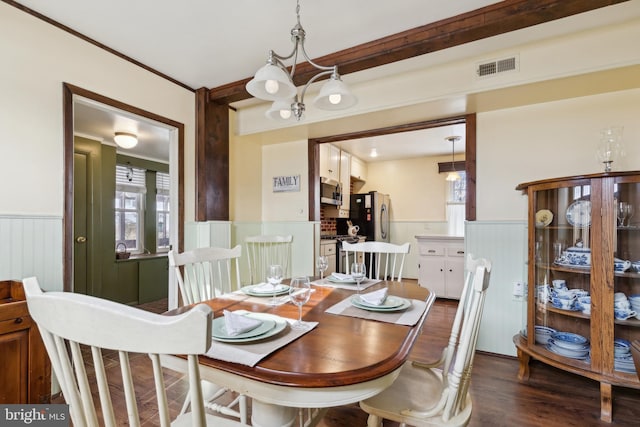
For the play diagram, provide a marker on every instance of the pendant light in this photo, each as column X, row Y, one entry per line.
column 453, row 175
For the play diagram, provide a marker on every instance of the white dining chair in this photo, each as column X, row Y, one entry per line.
column 265, row 250
column 81, row 334
column 376, row 255
column 203, row 274
column 426, row 395
column 206, row 273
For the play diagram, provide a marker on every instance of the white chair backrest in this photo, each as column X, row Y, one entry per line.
column 381, row 254
column 463, row 307
column 459, row 378
column 67, row 320
column 263, row 251
column 205, row 273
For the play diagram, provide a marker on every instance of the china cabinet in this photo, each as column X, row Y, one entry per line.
column 26, row 370
column 578, row 316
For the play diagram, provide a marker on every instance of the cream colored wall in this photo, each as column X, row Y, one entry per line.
column 245, row 175
column 36, row 59
column 285, row 159
column 548, row 140
column 418, row 192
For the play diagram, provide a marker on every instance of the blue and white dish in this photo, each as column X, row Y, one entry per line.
column 574, row 354
column 570, row 338
column 543, row 334
column 579, row 213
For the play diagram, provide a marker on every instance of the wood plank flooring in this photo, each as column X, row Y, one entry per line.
column 551, row 397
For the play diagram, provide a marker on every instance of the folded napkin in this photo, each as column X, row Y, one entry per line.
column 266, row 287
column 236, row 324
column 376, row 297
column 341, row 276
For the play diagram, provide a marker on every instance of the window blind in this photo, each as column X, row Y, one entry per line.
column 130, row 179
column 163, row 183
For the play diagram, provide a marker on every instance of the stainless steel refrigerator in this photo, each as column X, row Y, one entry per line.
column 370, row 211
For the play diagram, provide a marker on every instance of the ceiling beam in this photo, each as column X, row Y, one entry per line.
column 489, row 21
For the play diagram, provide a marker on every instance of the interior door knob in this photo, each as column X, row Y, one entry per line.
column 81, row 239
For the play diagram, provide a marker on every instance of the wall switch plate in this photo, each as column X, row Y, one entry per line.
column 518, row 289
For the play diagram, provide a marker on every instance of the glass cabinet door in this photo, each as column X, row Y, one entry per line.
column 626, row 271
column 562, row 273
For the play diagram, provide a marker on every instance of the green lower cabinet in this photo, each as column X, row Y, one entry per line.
column 125, row 289
column 153, row 279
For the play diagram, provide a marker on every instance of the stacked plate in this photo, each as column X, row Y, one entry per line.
column 543, row 334
column 391, row 303
column 623, row 361
column 264, row 290
column 568, row 344
column 270, row 326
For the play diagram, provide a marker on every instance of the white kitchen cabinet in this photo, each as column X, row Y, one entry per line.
column 330, row 162
column 345, row 182
column 441, row 265
column 358, row 169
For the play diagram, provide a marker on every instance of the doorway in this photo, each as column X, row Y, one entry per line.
column 469, row 121
column 75, row 247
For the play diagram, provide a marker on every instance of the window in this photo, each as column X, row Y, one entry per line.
column 457, row 194
column 129, row 207
column 162, row 211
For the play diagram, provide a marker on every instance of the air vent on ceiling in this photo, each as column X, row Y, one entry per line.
column 490, row 68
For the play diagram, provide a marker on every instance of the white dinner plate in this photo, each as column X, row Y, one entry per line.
column 356, row 302
column 389, row 302
column 280, row 325
column 250, row 290
column 220, row 330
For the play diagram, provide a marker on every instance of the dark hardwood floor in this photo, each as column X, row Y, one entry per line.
column 550, row 398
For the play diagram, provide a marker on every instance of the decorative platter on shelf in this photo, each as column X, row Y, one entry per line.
column 543, row 218
column 579, row 213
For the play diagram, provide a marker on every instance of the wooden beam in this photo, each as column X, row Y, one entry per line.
column 489, row 21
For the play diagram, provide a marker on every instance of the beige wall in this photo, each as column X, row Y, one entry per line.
column 36, row 59
column 418, row 192
column 548, row 140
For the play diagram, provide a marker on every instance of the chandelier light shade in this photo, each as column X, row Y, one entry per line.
column 273, row 82
column 453, row 175
column 280, row 110
column 126, row 139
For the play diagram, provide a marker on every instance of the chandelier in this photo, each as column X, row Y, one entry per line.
column 273, row 82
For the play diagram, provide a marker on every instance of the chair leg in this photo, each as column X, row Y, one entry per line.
column 374, row 421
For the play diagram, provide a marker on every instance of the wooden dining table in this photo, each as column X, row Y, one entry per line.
column 342, row 360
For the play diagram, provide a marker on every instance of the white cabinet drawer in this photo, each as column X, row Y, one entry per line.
column 455, row 251
column 329, row 249
column 431, row 250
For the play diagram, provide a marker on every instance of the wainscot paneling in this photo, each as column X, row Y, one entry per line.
column 505, row 244
column 32, row 246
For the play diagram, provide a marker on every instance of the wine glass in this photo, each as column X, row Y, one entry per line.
column 622, row 212
column 274, row 277
column 629, row 214
column 358, row 272
column 299, row 293
column 322, row 263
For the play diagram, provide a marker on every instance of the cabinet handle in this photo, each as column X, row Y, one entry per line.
column 460, row 252
column 441, row 269
column 431, row 251
column 450, row 271
column 18, row 320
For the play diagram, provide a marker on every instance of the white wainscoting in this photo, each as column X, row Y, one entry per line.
column 505, row 244
column 32, row 246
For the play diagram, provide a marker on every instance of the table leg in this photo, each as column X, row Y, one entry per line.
column 268, row 415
